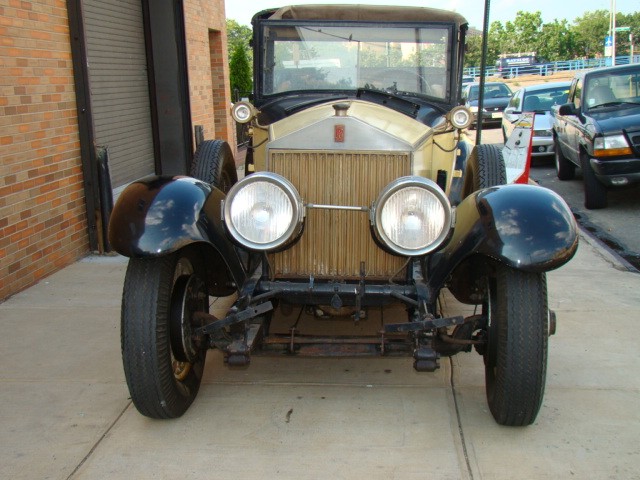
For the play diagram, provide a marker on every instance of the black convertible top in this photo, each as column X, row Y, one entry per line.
column 362, row 13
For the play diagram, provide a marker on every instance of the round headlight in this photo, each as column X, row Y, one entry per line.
column 412, row 216
column 243, row 112
column 263, row 211
column 460, row 116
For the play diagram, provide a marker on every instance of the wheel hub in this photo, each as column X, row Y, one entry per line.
column 190, row 296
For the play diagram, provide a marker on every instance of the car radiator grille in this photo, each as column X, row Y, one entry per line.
column 335, row 242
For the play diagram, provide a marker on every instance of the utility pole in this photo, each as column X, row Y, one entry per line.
column 613, row 32
column 483, row 67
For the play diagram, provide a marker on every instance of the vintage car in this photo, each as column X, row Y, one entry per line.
column 598, row 130
column 362, row 206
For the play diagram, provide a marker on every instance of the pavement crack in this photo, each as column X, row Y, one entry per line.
column 95, row 445
column 463, row 441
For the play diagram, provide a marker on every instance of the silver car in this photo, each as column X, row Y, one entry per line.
column 538, row 99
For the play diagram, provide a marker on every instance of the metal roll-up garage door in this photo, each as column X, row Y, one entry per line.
column 119, row 86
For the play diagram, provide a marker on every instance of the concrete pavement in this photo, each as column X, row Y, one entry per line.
column 65, row 411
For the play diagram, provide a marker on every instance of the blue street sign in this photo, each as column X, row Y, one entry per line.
column 608, row 41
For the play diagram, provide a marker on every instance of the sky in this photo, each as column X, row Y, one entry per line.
column 473, row 10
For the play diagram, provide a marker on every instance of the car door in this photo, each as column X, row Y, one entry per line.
column 574, row 124
column 512, row 113
column 568, row 126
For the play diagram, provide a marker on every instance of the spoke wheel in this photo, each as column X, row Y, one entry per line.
column 163, row 359
column 516, row 352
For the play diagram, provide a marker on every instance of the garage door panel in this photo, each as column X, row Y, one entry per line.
column 119, row 86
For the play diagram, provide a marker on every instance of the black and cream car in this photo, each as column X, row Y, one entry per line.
column 362, row 203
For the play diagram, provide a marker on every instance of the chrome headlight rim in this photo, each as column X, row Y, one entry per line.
column 295, row 222
column 401, row 184
column 455, row 117
column 243, row 112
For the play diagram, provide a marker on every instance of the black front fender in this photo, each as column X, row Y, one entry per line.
column 156, row 216
column 526, row 227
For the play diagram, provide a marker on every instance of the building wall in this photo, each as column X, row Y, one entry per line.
column 43, row 223
column 209, row 68
column 42, row 212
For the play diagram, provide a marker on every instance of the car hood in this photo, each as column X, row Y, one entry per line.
column 366, row 126
column 617, row 120
column 492, row 102
column 543, row 121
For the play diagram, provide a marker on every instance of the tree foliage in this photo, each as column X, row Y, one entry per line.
column 557, row 40
column 238, row 35
column 240, row 58
column 240, row 72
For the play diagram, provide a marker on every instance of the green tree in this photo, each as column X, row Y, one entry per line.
column 240, row 57
column 528, row 29
column 632, row 21
column 240, row 72
column 238, row 35
column 590, row 31
column 557, row 41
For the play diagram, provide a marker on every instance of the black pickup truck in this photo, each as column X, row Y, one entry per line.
column 599, row 131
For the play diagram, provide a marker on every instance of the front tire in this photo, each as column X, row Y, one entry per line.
column 565, row 170
column 213, row 163
column 595, row 193
column 516, row 351
column 485, row 168
column 163, row 361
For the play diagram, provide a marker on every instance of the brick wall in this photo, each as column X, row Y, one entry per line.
column 42, row 212
column 209, row 68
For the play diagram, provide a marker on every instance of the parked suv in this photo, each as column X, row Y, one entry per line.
column 361, row 205
column 598, row 130
column 512, row 66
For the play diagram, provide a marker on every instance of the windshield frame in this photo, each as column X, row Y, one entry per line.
column 265, row 54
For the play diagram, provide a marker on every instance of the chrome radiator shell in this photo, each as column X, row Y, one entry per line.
column 335, row 242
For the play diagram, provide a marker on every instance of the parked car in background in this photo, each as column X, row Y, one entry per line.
column 598, row 130
column 496, row 98
column 514, row 65
column 538, row 99
column 467, row 79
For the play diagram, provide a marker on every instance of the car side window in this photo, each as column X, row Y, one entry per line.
column 577, row 93
column 515, row 101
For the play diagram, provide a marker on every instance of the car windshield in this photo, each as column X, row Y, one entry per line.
column 348, row 57
column 543, row 100
column 491, row 90
column 613, row 88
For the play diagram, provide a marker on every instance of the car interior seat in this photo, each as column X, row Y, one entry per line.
column 600, row 94
column 531, row 103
